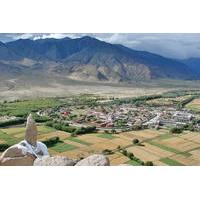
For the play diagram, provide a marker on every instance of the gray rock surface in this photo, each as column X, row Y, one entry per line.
column 94, row 160
column 54, row 161
column 17, row 161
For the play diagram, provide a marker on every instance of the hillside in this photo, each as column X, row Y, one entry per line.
column 193, row 64
column 87, row 59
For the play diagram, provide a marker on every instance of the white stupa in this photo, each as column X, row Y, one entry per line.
column 25, row 152
column 30, row 145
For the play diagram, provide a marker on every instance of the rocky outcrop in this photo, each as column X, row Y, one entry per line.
column 26, row 160
column 54, row 161
column 94, row 160
column 25, row 152
column 31, row 131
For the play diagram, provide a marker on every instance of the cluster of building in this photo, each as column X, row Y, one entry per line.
column 125, row 116
column 170, row 117
column 118, row 116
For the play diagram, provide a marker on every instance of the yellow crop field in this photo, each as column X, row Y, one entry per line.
column 119, row 160
column 194, row 105
column 180, row 144
column 158, row 146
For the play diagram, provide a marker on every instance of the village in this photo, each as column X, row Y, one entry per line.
column 124, row 117
column 157, row 129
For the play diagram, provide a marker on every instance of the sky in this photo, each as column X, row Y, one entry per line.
column 172, row 45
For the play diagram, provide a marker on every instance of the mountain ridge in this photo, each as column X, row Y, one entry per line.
column 90, row 59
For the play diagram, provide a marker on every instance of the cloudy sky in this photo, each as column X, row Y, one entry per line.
column 174, row 45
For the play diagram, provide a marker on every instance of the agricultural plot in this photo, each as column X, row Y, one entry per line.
column 147, row 133
column 167, row 101
column 107, row 136
column 2, row 141
column 179, row 144
column 194, row 105
column 158, row 146
column 62, row 147
column 171, row 162
column 119, row 160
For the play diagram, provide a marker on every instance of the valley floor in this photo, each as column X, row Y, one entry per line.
column 134, row 131
column 36, row 86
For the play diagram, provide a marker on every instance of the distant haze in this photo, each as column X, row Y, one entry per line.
column 173, row 45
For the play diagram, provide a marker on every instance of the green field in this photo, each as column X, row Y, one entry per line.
column 8, row 138
column 161, row 146
column 45, row 129
column 171, row 162
column 74, row 139
column 23, row 108
column 194, row 105
column 133, row 162
column 153, row 146
column 107, row 136
column 93, row 144
column 62, row 147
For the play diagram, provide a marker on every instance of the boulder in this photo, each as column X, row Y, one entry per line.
column 25, row 152
column 94, row 160
column 54, row 161
column 125, row 165
column 17, row 161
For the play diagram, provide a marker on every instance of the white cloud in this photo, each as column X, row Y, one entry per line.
column 49, row 35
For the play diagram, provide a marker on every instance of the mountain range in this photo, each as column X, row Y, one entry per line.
column 89, row 59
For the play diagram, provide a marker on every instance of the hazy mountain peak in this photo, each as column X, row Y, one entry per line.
column 88, row 58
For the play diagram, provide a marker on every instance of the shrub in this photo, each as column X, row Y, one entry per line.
column 135, row 141
column 84, row 130
column 40, row 119
column 148, row 163
column 73, row 134
column 136, row 127
column 113, row 131
column 124, row 152
column 12, row 122
column 119, row 147
column 60, row 126
column 176, row 130
column 51, row 141
column 130, row 155
column 138, row 160
column 3, row 147
column 107, row 152
column 189, row 127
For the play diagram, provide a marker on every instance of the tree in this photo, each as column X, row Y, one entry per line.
column 73, row 134
column 124, row 152
column 51, row 141
column 107, row 152
column 148, row 163
column 130, row 155
column 3, row 147
column 136, row 127
column 113, row 131
column 176, row 130
column 135, row 141
column 119, row 147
